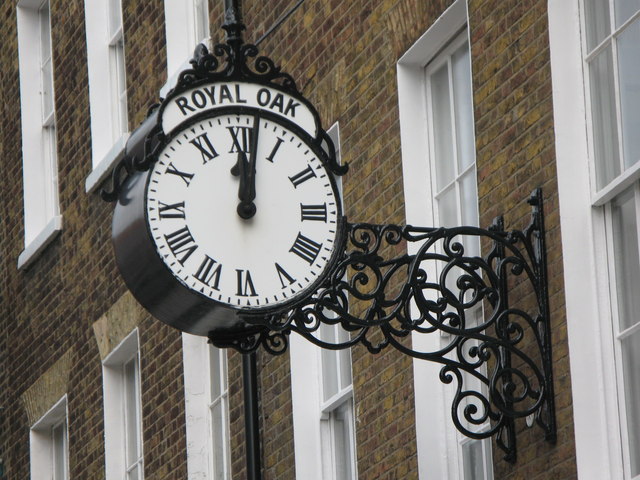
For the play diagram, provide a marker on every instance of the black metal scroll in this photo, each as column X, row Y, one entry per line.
column 493, row 345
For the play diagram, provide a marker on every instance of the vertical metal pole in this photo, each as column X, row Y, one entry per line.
column 233, row 21
column 251, row 418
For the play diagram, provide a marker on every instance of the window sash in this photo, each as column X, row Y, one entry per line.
column 340, row 422
column 219, row 413
column 613, row 115
column 623, row 247
column 449, row 103
column 132, row 418
column 59, row 459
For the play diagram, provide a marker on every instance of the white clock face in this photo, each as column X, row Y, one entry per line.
column 287, row 240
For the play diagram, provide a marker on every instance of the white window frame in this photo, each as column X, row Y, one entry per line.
column 185, row 28
column 196, row 357
column 599, row 448
column 42, row 443
column 439, row 443
column 115, row 417
column 107, row 107
column 42, row 219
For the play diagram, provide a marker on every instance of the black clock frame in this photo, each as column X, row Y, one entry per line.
column 382, row 298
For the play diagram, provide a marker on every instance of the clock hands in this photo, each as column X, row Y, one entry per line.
column 246, row 170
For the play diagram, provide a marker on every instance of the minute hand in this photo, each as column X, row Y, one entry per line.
column 247, row 193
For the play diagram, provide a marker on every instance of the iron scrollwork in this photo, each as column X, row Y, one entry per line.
column 497, row 353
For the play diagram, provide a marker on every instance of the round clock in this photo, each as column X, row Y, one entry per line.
column 242, row 218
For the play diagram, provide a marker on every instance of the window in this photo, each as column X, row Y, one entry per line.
column 322, row 398
column 122, row 411
column 594, row 50
column 336, row 407
column 611, row 48
column 454, row 187
column 42, row 219
column 206, row 409
column 107, row 86
column 435, row 96
column 186, row 24
column 219, row 412
column 117, row 68
column 49, row 447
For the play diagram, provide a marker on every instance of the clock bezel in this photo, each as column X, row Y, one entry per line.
column 315, row 145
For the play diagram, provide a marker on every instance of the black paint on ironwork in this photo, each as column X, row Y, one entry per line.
column 251, row 416
column 507, row 351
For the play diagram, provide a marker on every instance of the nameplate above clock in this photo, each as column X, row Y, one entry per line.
column 185, row 105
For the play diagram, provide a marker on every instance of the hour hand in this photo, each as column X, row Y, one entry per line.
column 246, row 170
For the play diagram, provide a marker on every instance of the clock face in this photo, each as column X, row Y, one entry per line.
column 242, row 210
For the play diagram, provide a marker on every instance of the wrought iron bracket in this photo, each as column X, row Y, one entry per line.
column 486, row 318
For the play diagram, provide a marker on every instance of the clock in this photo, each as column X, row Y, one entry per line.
column 241, row 218
column 241, row 210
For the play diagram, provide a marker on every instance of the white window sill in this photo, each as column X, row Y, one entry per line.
column 38, row 244
column 104, row 167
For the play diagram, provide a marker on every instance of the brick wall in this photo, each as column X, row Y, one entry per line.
column 343, row 56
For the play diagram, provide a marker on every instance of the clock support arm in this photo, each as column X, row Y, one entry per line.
column 493, row 346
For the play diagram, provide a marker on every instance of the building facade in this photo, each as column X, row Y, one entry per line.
column 448, row 112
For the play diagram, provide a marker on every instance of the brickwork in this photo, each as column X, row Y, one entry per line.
column 343, row 56
column 50, row 308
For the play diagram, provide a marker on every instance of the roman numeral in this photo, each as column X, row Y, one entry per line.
column 316, row 213
column 186, row 177
column 275, row 149
column 208, row 272
column 181, row 244
column 171, row 210
column 204, row 146
column 306, row 248
column 245, row 284
column 302, row 176
column 283, row 273
column 241, row 139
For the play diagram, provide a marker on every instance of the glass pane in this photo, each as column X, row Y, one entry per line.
column 603, row 108
column 59, row 454
column 342, row 441
column 214, row 369
column 625, row 9
column 201, row 9
column 627, row 261
column 442, row 134
column 344, row 357
column 469, row 198
column 461, row 66
column 472, row 459
column 218, row 423
column 447, row 208
column 115, row 16
column 597, row 20
column 329, row 373
column 629, row 69
column 631, row 370
column 47, row 90
column 131, row 412
column 469, row 206
column 45, row 32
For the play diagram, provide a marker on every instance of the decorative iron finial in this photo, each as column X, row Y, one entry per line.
column 233, row 22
